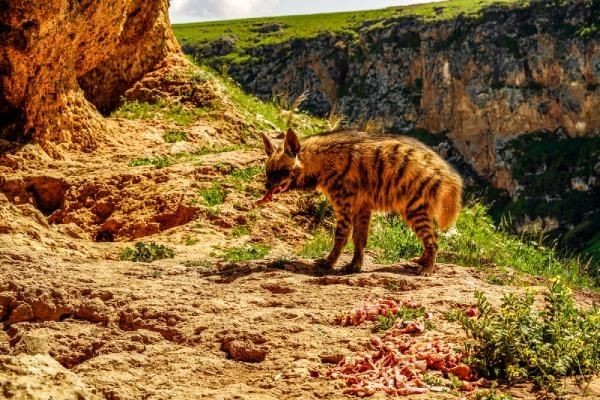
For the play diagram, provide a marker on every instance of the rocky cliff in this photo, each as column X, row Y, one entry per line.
column 61, row 61
column 482, row 81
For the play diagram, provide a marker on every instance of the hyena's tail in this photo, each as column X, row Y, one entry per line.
column 449, row 201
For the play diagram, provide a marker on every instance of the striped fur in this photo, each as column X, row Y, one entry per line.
column 361, row 173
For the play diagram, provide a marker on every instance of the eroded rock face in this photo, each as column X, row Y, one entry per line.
column 61, row 61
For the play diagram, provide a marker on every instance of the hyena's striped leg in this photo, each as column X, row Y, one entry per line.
column 423, row 226
column 342, row 231
column 360, row 234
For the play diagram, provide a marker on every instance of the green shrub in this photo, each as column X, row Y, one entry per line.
column 175, row 136
column 518, row 342
column 146, row 252
column 245, row 253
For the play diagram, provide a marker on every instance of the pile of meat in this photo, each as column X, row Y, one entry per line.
column 396, row 362
column 369, row 310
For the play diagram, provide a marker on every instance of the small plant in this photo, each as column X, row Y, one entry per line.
column 519, row 342
column 404, row 314
column 455, row 381
column 432, row 380
column 157, row 162
column 245, row 253
column 335, row 118
column 214, row 195
column 491, row 394
column 146, row 252
column 190, row 241
column 175, row 136
column 240, row 230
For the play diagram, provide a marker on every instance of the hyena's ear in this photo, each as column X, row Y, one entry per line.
column 291, row 144
column 269, row 146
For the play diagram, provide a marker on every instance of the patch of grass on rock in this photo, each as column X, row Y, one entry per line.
column 245, row 253
column 146, row 252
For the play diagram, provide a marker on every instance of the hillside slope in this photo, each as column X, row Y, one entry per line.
column 507, row 84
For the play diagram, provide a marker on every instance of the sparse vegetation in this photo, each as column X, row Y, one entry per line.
column 146, row 252
column 265, row 116
column 520, row 342
column 214, row 195
column 240, row 230
column 162, row 109
column 247, row 174
column 174, row 136
column 245, row 253
column 491, row 394
column 157, row 162
column 190, row 241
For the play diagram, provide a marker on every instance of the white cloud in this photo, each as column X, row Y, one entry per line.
column 195, row 10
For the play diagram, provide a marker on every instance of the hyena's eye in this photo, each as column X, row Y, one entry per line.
column 277, row 175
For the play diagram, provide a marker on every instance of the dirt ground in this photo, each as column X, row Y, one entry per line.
column 78, row 323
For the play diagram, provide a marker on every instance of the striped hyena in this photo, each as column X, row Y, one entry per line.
column 361, row 173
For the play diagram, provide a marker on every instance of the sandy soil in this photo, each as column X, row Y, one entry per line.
column 80, row 324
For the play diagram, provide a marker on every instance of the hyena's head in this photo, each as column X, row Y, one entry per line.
column 283, row 167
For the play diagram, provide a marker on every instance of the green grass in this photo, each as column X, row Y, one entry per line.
column 162, row 109
column 247, row 174
column 146, row 252
column 214, row 195
column 245, row 253
column 522, row 342
column 157, row 162
column 393, row 240
column 309, row 26
column 318, row 246
column 175, row 136
column 477, row 242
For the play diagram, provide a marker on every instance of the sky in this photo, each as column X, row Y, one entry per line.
column 206, row 10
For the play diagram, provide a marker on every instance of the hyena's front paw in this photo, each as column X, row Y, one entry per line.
column 351, row 268
column 427, row 270
column 323, row 265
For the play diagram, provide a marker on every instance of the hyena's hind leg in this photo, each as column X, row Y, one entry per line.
column 360, row 234
column 422, row 224
column 342, row 231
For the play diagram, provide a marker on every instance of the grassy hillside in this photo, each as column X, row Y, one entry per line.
column 254, row 32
